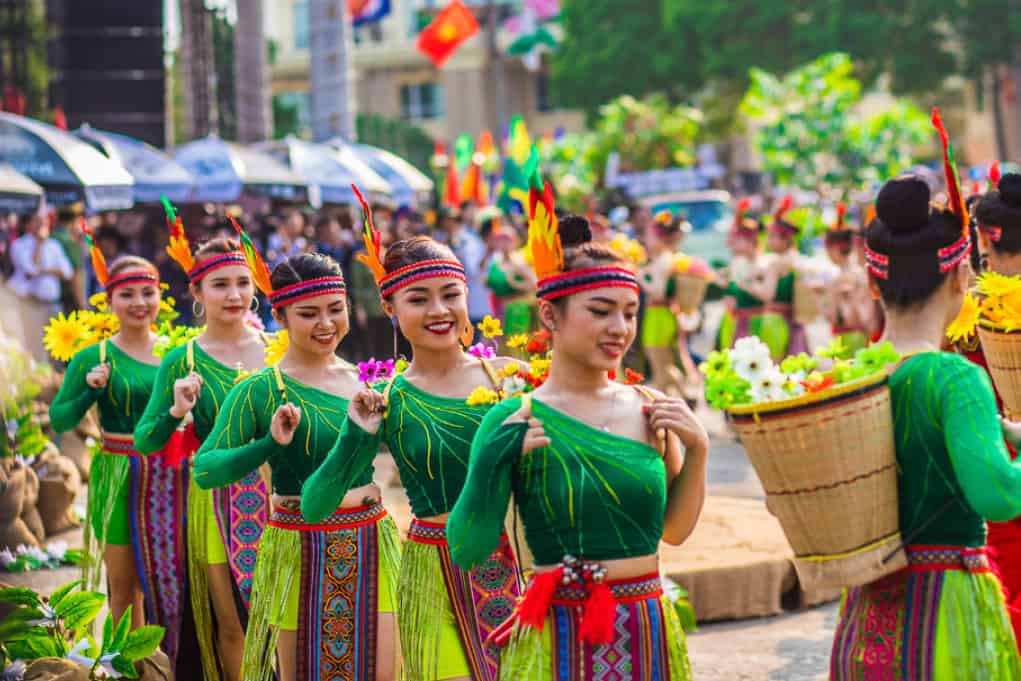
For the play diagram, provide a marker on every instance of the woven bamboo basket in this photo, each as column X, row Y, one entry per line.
column 691, row 290
column 828, row 464
column 1003, row 355
column 806, row 301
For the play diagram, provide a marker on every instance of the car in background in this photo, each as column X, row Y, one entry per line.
column 711, row 216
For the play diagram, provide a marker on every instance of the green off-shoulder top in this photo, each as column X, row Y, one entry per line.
column 589, row 494
column 240, row 441
column 121, row 402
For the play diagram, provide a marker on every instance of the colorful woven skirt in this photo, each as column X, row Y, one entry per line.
column 329, row 581
column 648, row 641
column 942, row 618
column 155, row 516
column 446, row 613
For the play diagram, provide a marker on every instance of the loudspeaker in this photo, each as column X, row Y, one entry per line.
column 109, row 59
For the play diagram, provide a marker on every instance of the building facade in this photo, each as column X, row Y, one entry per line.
column 471, row 93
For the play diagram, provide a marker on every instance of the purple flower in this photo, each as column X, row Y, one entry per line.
column 375, row 370
column 482, row 351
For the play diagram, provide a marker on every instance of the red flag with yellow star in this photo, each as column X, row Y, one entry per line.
column 446, row 32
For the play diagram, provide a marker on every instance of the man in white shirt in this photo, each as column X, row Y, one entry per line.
column 471, row 250
column 40, row 265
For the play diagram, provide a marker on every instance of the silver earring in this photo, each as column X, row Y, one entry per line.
column 255, row 304
column 197, row 309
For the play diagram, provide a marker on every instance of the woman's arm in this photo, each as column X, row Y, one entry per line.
column 686, row 487
column 75, row 396
column 238, row 443
column 153, row 430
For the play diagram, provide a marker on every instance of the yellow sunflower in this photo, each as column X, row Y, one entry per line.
column 482, row 395
column 276, row 348
column 64, row 336
column 98, row 301
column 518, row 340
column 100, row 324
column 490, row 327
column 967, row 319
column 996, row 285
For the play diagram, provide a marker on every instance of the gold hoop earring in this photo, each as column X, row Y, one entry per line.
column 197, row 309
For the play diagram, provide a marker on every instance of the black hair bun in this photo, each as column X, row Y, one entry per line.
column 1010, row 189
column 903, row 204
column 574, row 231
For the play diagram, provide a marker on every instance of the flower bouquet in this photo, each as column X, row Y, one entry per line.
column 692, row 276
column 514, row 379
column 996, row 317
column 822, row 444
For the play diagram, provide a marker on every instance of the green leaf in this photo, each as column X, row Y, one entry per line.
column 121, row 633
column 61, row 592
column 17, row 595
column 16, row 625
column 107, row 634
column 79, row 609
column 142, row 642
column 38, row 644
column 124, row 666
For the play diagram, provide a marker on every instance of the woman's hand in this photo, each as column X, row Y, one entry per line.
column 186, row 394
column 367, row 409
column 535, row 436
column 98, row 376
column 1012, row 431
column 674, row 415
column 285, row 422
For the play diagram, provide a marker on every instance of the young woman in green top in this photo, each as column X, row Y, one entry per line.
column 445, row 614
column 600, row 473
column 944, row 616
column 224, row 526
column 322, row 601
column 660, row 327
column 747, row 288
column 779, row 329
column 136, row 504
column 509, row 278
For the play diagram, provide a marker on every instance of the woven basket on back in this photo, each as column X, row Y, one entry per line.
column 806, row 301
column 1003, row 355
column 691, row 290
column 828, row 464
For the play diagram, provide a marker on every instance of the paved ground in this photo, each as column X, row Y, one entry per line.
column 793, row 647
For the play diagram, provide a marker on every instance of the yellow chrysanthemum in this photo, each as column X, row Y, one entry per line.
column 490, row 327
column 64, row 336
column 276, row 348
column 539, row 366
column 482, row 395
column 629, row 248
column 967, row 319
column 510, row 370
column 101, row 325
column 98, row 301
column 518, row 340
column 996, row 285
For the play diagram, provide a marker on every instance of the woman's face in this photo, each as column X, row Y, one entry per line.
column 778, row 242
column 594, row 327
column 432, row 313
column 745, row 245
column 838, row 253
column 226, row 293
column 316, row 325
column 136, row 305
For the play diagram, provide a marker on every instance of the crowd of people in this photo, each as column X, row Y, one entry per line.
column 234, row 499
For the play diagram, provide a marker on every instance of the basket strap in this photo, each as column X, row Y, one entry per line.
column 661, row 434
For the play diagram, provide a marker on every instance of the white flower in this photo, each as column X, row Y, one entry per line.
column 513, row 385
column 14, row 671
column 750, row 346
column 768, row 386
column 77, row 654
column 57, row 549
column 750, row 359
column 48, row 620
column 106, row 665
column 90, row 442
column 25, row 461
column 6, row 557
column 32, row 552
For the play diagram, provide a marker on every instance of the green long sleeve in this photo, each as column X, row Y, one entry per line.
column 974, row 439
column 344, row 466
column 239, row 443
column 75, row 397
column 476, row 522
column 156, row 426
column 222, row 467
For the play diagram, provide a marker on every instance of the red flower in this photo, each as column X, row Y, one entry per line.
column 820, row 385
column 539, row 343
column 632, row 377
column 612, row 374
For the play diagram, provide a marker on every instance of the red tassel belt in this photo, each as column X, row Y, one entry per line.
column 923, row 558
column 121, row 445
column 434, row 534
column 579, row 585
column 341, row 519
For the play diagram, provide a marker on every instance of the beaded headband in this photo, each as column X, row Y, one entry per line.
column 576, row 281
column 949, row 257
column 311, row 288
column 409, row 274
column 215, row 262
column 131, row 277
column 994, row 233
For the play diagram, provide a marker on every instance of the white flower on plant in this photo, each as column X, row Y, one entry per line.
column 6, row 557
column 32, row 552
column 48, row 620
column 25, row 461
column 14, row 671
column 105, row 670
column 78, row 656
column 769, row 386
column 514, row 385
column 750, row 359
column 90, row 442
column 57, row 549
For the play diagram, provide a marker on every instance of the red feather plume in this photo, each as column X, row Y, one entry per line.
column 785, row 205
column 957, row 204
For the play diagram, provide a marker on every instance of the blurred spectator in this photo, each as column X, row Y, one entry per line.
column 470, row 249
column 40, row 266
column 288, row 239
column 333, row 240
column 372, row 329
column 69, row 234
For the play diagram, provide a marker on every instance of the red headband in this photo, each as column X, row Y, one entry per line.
column 949, row 257
column 306, row 289
column 131, row 277
column 427, row 269
column 576, row 281
column 201, row 269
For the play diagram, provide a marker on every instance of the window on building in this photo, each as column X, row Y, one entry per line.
column 421, row 101
column 369, row 33
column 542, row 93
column 301, row 25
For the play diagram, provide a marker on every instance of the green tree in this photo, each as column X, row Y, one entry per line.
column 410, row 142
